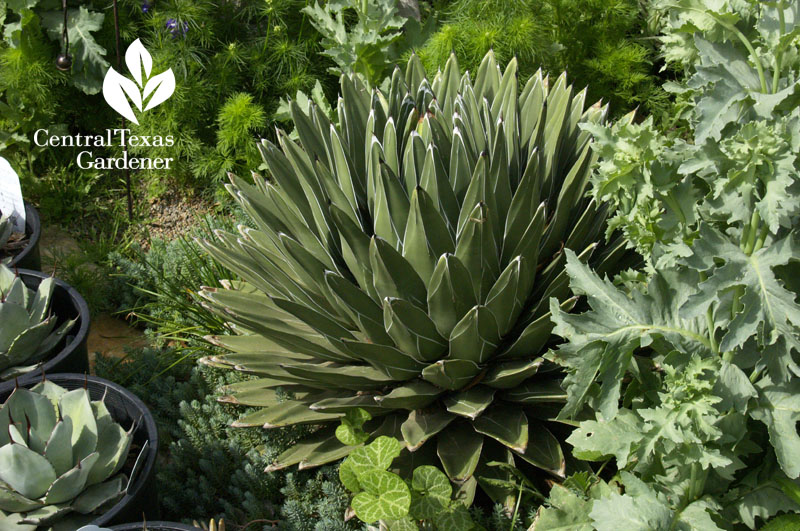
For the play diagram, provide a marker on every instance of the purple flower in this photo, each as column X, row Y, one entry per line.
column 175, row 30
column 145, row 7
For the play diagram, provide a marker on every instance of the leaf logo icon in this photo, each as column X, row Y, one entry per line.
column 120, row 91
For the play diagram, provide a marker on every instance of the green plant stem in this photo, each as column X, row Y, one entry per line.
column 741, row 36
column 516, row 508
column 761, row 237
column 750, row 235
column 710, row 321
column 776, row 75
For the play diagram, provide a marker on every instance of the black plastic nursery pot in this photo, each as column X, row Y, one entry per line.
column 29, row 257
column 126, row 409
column 155, row 526
column 72, row 354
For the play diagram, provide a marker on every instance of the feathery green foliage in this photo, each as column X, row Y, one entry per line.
column 600, row 43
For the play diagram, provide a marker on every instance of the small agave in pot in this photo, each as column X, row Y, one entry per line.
column 60, row 458
column 10, row 240
column 29, row 332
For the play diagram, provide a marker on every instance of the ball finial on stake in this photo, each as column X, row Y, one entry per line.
column 64, row 62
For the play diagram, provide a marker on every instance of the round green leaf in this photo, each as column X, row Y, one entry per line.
column 385, row 497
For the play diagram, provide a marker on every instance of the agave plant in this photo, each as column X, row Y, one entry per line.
column 402, row 262
column 60, row 457
column 28, row 330
column 10, row 240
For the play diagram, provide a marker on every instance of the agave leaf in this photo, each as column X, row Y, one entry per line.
column 15, row 321
column 41, row 299
column 476, row 337
column 506, row 424
column 71, row 483
column 302, row 449
column 435, row 183
column 478, row 251
column 459, row 449
column 538, row 392
column 353, row 377
column 50, row 390
column 448, row 301
column 26, row 471
column 470, row 403
column 413, row 395
column 363, row 310
column 511, row 374
column 421, row 425
column 451, row 374
column 75, row 404
column 102, row 415
column 499, row 169
column 24, row 406
column 251, row 343
column 415, row 243
column 355, row 250
column 282, row 414
column 523, row 206
column 52, row 341
column 11, row 501
column 344, row 404
column 412, row 330
column 461, row 167
column 312, row 142
column 113, row 444
column 543, row 450
column 390, row 148
column 331, row 329
column 45, row 515
column 99, row 494
column 26, row 343
column 476, row 193
column 352, row 187
column 393, row 276
column 571, row 192
column 283, row 173
column 18, row 295
column 487, row 80
column 329, row 451
column 528, row 249
column 506, row 300
column 535, row 335
column 395, row 363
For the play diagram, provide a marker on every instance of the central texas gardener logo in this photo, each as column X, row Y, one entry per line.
column 119, row 91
